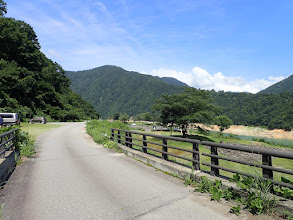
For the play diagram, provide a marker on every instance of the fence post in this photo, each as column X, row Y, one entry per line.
column 195, row 156
column 145, row 144
column 165, row 149
column 112, row 135
column 214, row 161
column 2, row 140
column 126, row 139
column 130, row 139
column 267, row 160
column 119, row 137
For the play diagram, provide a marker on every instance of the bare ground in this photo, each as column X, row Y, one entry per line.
column 256, row 132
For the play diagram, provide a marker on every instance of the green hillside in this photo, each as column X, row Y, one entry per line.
column 286, row 85
column 270, row 110
column 31, row 84
column 111, row 89
column 173, row 81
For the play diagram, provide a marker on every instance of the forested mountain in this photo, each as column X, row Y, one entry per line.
column 31, row 84
column 111, row 89
column 286, row 85
column 271, row 110
column 173, row 81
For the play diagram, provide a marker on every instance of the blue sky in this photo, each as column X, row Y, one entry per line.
column 231, row 45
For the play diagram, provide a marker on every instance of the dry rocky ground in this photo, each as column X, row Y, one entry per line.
column 256, row 132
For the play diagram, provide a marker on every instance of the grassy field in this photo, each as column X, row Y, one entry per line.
column 36, row 129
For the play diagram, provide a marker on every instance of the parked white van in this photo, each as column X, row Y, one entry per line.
column 10, row 119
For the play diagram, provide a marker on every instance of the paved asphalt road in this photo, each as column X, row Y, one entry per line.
column 71, row 177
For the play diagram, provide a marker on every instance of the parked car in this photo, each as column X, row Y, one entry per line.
column 10, row 119
column 40, row 120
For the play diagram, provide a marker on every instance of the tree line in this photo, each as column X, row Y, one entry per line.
column 31, row 84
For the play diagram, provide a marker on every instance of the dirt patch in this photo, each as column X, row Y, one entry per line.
column 254, row 131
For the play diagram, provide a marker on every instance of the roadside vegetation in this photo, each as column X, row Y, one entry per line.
column 100, row 130
column 26, row 134
column 252, row 193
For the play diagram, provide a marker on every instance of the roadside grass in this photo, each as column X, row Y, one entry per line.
column 26, row 134
column 100, row 130
column 1, row 212
column 35, row 130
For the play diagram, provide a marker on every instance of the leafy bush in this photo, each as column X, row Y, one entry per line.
column 100, row 130
column 259, row 199
column 22, row 141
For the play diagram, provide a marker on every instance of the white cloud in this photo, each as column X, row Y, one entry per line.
column 200, row 78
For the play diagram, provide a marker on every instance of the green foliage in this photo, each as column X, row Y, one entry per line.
column 284, row 191
column 269, row 110
column 3, row 8
column 100, row 130
column 23, row 142
column 259, row 198
column 111, row 89
column 206, row 186
column 123, row 118
column 230, row 194
column 282, row 86
column 223, row 122
column 30, row 82
column 192, row 106
column 235, row 210
column 1, row 212
column 146, row 116
column 113, row 145
column 215, row 191
column 188, row 178
column 287, row 215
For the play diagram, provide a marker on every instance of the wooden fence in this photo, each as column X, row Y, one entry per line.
column 141, row 140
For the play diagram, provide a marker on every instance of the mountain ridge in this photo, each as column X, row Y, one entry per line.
column 112, row 89
column 285, row 85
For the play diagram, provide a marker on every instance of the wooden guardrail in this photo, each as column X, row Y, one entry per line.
column 126, row 137
column 6, row 141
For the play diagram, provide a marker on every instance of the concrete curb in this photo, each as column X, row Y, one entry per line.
column 181, row 172
column 7, row 165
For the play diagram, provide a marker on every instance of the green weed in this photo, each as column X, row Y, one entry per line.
column 1, row 212
column 259, row 199
column 235, row 210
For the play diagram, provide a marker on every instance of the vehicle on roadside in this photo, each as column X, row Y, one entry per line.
column 39, row 120
column 10, row 119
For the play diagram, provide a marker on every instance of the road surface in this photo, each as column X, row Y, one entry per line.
column 71, row 177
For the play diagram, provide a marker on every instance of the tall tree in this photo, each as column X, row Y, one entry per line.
column 223, row 122
column 189, row 107
column 3, row 8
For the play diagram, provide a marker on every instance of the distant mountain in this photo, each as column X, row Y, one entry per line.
column 286, row 85
column 173, row 81
column 111, row 89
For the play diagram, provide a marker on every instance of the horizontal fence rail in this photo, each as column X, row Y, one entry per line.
column 6, row 141
column 194, row 155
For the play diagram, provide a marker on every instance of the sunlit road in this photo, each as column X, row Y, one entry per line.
column 71, row 177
